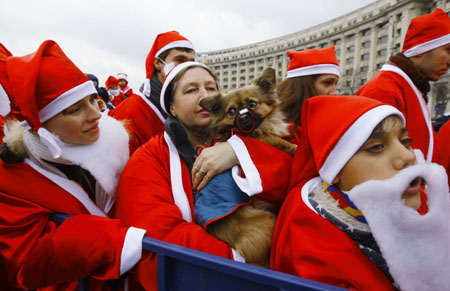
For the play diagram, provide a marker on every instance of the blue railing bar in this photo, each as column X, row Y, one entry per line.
column 230, row 267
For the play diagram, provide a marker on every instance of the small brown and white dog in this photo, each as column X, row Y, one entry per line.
column 252, row 111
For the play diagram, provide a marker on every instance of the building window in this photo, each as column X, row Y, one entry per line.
column 224, row 66
column 225, row 73
column 383, row 26
column 365, row 57
column 349, row 72
column 366, row 32
column 233, row 79
column 351, row 37
column 252, row 70
column 382, row 52
column 365, row 69
column 233, row 65
column 242, row 71
column 351, row 49
column 251, row 62
column 261, row 61
column 216, row 68
column 383, row 39
column 242, row 64
column 337, row 41
column 350, row 60
column 337, row 52
column 270, row 59
column 261, row 68
column 379, row 66
column 323, row 45
column 366, row 44
column 225, row 79
column 251, row 77
column 242, row 78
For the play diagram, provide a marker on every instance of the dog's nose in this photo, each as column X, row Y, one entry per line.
column 246, row 121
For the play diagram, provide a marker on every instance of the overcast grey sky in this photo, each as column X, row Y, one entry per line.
column 105, row 37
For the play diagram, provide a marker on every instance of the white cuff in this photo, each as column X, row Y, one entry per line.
column 237, row 257
column 132, row 249
column 252, row 183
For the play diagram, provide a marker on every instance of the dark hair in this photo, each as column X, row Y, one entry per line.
column 103, row 93
column 293, row 92
column 165, row 53
column 8, row 156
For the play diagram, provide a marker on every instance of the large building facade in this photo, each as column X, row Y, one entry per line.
column 363, row 40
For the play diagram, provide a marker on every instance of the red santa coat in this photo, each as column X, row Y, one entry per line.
column 2, row 127
column 40, row 253
column 393, row 86
column 442, row 153
column 155, row 193
column 309, row 246
column 144, row 119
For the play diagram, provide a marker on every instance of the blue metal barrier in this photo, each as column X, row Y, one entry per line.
column 181, row 268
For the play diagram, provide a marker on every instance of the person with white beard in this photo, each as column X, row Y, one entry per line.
column 65, row 157
column 365, row 211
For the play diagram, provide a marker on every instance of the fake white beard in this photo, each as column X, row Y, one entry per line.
column 416, row 247
column 104, row 158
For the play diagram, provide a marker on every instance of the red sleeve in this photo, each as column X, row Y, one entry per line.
column 442, row 152
column 272, row 166
column 141, row 121
column 144, row 200
column 38, row 253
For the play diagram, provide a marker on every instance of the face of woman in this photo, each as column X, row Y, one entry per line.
column 325, row 84
column 77, row 124
column 195, row 84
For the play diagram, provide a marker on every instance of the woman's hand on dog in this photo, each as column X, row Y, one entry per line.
column 212, row 161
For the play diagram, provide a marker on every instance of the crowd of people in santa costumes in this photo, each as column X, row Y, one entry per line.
column 310, row 73
column 115, row 94
column 143, row 111
column 359, row 208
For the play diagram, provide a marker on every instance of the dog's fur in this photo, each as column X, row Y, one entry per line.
column 249, row 229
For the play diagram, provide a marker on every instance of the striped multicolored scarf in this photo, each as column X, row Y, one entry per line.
column 344, row 202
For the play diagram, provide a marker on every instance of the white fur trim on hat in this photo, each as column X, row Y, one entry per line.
column 352, row 140
column 178, row 43
column 66, row 99
column 122, row 76
column 314, row 70
column 5, row 107
column 172, row 74
column 428, row 46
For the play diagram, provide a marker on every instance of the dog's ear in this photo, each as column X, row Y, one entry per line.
column 213, row 104
column 267, row 80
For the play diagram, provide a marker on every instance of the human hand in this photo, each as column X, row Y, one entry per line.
column 212, row 161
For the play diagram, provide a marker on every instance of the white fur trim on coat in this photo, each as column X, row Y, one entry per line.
column 425, row 112
column 179, row 196
column 252, row 183
column 5, row 107
column 416, row 247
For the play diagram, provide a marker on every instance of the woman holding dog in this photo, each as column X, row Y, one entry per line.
column 310, row 73
column 156, row 188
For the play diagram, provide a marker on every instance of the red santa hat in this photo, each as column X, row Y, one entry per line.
column 166, row 95
column 122, row 76
column 427, row 32
column 333, row 129
column 5, row 86
column 163, row 42
column 111, row 81
column 45, row 83
column 313, row 62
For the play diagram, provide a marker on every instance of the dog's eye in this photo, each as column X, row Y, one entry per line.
column 232, row 111
column 252, row 104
